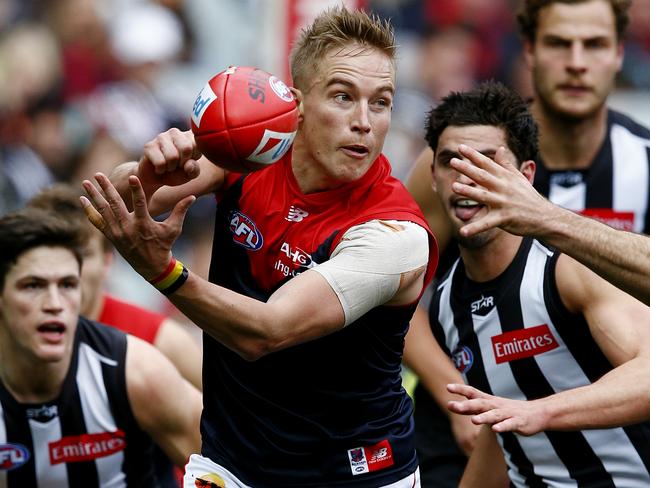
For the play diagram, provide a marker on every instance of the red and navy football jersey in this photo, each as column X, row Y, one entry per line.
column 329, row 412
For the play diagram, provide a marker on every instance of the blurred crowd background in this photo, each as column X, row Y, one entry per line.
column 85, row 83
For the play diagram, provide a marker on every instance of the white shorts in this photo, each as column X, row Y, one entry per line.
column 199, row 467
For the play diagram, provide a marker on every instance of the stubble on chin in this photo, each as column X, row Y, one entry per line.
column 474, row 242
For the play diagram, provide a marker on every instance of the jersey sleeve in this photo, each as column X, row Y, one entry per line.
column 365, row 268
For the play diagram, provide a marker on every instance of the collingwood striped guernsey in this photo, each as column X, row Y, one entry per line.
column 615, row 189
column 88, row 436
column 513, row 337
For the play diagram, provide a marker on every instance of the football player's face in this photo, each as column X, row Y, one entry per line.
column 39, row 304
column 460, row 210
column 574, row 58
column 346, row 113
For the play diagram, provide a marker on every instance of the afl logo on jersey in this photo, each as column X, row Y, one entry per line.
column 12, row 456
column 463, row 358
column 244, row 231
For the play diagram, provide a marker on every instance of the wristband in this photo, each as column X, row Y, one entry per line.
column 172, row 278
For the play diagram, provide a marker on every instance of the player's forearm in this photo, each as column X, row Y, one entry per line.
column 236, row 321
column 486, row 466
column 622, row 258
column 621, row 397
column 253, row 328
column 429, row 362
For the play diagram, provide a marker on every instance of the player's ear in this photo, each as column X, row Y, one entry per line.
column 528, row 53
column 527, row 168
column 298, row 96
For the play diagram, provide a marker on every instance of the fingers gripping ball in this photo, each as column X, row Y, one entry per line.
column 244, row 119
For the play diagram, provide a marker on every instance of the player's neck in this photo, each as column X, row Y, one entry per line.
column 29, row 380
column 490, row 260
column 568, row 143
column 94, row 310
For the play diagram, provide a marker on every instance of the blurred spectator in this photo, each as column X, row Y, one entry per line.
column 29, row 112
column 81, row 32
column 636, row 66
column 143, row 37
column 449, row 60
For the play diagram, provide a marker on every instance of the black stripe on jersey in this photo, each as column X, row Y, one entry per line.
column 571, row 447
column 81, row 473
column 436, row 328
column 573, row 328
column 646, row 223
column 18, row 432
column 112, row 343
column 599, row 190
column 476, row 375
column 639, row 436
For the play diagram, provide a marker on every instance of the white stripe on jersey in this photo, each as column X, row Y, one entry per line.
column 538, row 448
column 573, row 197
column 97, row 413
column 630, row 168
column 445, row 315
column 42, row 435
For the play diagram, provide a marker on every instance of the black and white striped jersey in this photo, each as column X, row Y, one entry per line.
column 513, row 337
column 615, row 189
column 87, row 437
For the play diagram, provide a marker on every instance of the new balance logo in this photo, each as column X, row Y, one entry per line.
column 296, row 214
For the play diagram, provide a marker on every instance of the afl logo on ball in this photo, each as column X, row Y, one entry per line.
column 272, row 147
column 280, row 89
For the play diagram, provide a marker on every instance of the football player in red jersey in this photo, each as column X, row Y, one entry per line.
column 318, row 263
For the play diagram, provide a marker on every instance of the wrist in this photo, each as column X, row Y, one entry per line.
column 545, row 413
column 171, row 278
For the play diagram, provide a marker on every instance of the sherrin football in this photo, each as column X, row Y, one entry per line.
column 244, row 119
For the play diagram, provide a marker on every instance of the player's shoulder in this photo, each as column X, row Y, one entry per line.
column 103, row 339
column 387, row 233
column 616, row 118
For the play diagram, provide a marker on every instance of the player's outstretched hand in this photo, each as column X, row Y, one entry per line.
column 513, row 204
column 145, row 243
column 171, row 158
column 503, row 414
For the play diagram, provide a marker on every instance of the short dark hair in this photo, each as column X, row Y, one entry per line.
column 63, row 200
column 528, row 16
column 28, row 228
column 490, row 103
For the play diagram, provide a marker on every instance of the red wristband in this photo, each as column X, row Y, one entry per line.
column 164, row 274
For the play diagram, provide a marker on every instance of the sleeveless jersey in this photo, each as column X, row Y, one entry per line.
column 87, row 437
column 329, row 412
column 513, row 337
column 615, row 189
column 131, row 319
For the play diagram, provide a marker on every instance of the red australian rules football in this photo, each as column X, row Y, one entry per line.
column 244, row 119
